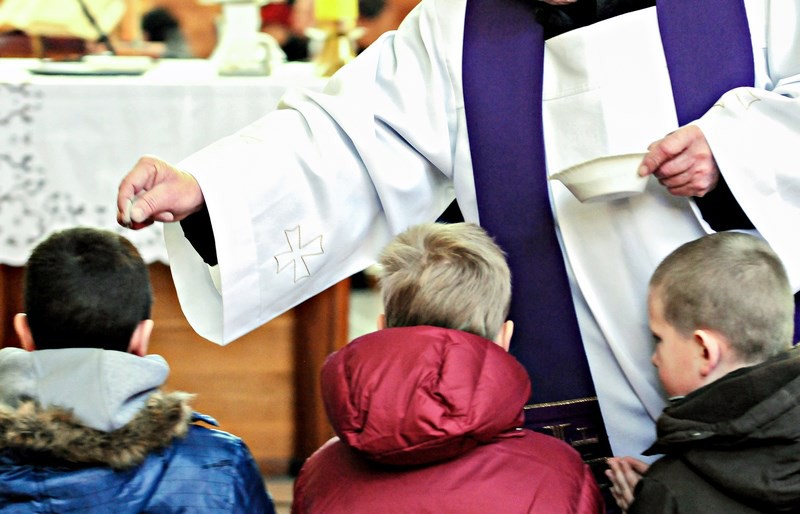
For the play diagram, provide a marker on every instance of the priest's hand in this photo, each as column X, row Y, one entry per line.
column 682, row 162
column 625, row 473
column 154, row 190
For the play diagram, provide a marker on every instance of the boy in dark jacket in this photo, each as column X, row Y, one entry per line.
column 721, row 312
column 84, row 426
column 429, row 411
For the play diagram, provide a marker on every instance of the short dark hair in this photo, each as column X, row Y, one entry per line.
column 86, row 288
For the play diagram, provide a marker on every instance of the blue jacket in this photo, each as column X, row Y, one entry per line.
column 204, row 471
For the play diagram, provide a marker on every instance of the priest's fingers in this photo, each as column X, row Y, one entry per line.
column 156, row 191
column 667, row 148
column 696, row 178
column 683, row 162
column 140, row 178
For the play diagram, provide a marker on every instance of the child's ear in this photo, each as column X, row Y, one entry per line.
column 504, row 335
column 23, row 331
column 140, row 339
column 381, row 321
column 711, row 350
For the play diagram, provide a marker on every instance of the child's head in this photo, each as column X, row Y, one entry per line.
column 446, row 275
column 85, row 288
column 717, row 303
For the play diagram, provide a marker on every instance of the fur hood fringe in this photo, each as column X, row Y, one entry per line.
column 53, row 434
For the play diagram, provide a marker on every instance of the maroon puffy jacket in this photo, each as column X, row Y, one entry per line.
column 429, row 420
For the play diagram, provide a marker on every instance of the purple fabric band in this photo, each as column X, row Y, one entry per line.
column 796, row 318
column 503, row 53
column 708, row 51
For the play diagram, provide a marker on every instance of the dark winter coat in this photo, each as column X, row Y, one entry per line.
column 730, row 447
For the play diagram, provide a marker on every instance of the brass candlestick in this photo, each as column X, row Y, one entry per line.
column 338, row 45
column 336, row 33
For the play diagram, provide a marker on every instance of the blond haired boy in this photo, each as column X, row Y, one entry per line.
column 721, row 312
column 429, row 410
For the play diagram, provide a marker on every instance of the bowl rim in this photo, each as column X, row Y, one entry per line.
column 571, row 169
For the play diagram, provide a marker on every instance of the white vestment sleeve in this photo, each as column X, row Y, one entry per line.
column 309, row 194
column 754, row 134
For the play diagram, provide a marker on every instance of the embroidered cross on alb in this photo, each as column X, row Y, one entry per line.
column 746, row 98
column 298, row 252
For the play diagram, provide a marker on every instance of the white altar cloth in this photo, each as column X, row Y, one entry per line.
column 67, row 141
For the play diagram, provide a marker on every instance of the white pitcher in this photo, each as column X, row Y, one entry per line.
column 242, row 49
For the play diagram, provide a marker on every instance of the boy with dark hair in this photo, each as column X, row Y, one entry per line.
column 429, row 411
column 721, row 312
column 84, row 425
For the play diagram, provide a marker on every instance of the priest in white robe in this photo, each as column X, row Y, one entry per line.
column 308, row 195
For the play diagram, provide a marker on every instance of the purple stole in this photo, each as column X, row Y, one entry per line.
column 708, row 50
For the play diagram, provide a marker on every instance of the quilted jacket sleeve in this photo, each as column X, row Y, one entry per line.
column 653, row 497
column 251, row 494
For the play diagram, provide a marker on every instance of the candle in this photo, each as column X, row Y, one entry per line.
column 335, row 10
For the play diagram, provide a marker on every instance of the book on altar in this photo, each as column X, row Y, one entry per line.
column 61, row 17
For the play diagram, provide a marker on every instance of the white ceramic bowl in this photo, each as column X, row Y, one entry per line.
column 605, row 178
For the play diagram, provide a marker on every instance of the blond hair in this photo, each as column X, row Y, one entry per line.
column 733, row 283
column 446, row 275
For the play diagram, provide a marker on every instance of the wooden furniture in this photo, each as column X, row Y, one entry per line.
column 325, row 314
column 18, row 44
column 10, row 302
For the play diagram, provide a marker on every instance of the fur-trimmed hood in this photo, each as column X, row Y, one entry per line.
column 53, row 434
column 87, row 406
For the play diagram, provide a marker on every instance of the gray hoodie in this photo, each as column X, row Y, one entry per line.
column 104, row 389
